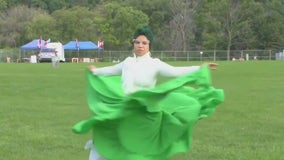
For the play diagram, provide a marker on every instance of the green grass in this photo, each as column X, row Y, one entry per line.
column 40, row 104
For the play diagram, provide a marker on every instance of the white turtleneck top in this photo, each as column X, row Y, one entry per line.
column 142, row 72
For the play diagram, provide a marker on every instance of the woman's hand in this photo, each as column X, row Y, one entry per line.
column 92, row 67
column 212, row 66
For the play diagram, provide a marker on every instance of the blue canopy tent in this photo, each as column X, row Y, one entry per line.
column 80, row 46
column 33, row 45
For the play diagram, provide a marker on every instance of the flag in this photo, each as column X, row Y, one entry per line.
column 100, row 43
column 46, row 42
column 39, row 43
column 77, row 44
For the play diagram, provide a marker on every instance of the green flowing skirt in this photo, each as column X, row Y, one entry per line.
column 151, row 124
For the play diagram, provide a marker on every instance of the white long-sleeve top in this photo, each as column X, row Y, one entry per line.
column 142, row 72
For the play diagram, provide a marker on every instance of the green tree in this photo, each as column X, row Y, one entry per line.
column 84, row 3
column 119, row 23
column 13, row 25
column 53, row 5
column 14, row 3
column 269, row 27
column 159, row 15
column 182, row 24
column 126, row 22
column 75, row 23
column 3, row 5
column 48, row 5
column 42, row 25
column 227, row 24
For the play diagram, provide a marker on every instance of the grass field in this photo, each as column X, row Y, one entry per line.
column 40, row 104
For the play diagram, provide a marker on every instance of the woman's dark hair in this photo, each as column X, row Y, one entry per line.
column 146, row 31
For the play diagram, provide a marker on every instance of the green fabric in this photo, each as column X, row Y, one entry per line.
column 151, row 124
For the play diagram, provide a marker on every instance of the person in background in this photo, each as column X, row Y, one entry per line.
column 55, row 60
column 177, row 110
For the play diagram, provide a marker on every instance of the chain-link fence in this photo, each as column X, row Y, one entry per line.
column 7, row 55
column 15, row 55
column 207, row 55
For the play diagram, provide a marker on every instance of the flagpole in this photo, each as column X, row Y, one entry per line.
column 77, row 46
column 78, row 54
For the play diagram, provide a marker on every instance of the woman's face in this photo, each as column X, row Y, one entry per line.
column 141, row 45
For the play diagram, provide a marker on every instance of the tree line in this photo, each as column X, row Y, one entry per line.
column 178, row 25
